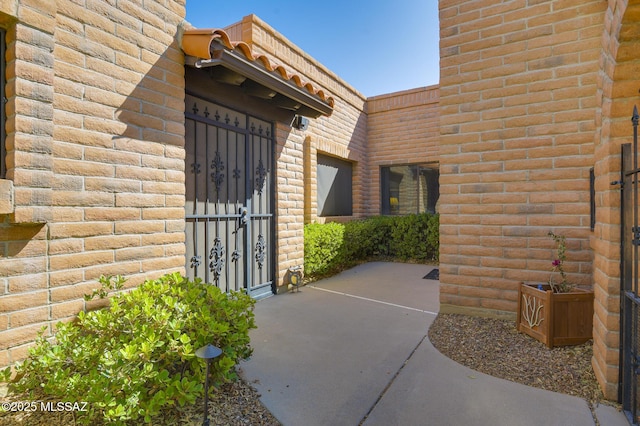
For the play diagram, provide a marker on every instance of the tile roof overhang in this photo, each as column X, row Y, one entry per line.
column 235, row 63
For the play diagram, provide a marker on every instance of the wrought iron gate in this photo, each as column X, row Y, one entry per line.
column 630, row 301
column 229, row 198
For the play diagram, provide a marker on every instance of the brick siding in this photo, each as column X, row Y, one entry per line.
column 617, row 93
column 532, row 95
column 517, row 117
column 95, row 133
column 403, row 128
column 342, row 135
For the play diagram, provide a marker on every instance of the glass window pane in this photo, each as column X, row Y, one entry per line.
column 409, row 189
column 334, row 187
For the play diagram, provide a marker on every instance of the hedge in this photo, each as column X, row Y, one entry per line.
column 331, row 247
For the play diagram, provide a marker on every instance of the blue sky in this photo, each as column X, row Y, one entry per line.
column 376, row 46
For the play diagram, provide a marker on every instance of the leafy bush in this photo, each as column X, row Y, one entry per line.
column 135, row 358
column 368, row 237
column 323, row 247
column 330, row 247
column 415, row 237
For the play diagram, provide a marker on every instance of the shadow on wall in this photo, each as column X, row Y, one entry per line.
column 22, row 241
column 154, row 109
column 139, row 160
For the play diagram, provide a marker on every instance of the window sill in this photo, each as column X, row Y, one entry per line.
column 6, row 196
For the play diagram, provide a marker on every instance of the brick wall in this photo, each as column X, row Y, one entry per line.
column 342, row 135
column 518, row 119
column 95, row 135
column 403, row 128
column 617, row 92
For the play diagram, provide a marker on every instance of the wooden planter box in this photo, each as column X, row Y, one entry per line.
column 555, row 319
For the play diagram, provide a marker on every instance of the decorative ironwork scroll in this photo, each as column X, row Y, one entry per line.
column 195, row 168
column 195, row 261
column 261, row 248
column 217, row 258
column 261, row 172
column 217, row 165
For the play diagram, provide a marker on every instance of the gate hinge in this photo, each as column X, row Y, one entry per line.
column 636, row 364
column 617, row 182
column 636, row 235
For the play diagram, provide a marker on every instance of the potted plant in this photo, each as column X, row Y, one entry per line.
column 556, row 313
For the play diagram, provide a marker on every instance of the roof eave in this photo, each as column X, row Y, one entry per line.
column 212, row 48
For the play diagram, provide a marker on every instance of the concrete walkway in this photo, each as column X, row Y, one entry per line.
column 353, row 350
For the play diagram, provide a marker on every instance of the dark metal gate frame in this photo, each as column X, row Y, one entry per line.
column 630, row 300
column 218, row 256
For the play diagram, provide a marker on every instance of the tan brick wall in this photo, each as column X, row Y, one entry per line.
column 95, row 154
column 403, row 128
column 289, row 200
column 365, row 132
column 545, row 90
column 617, row 92
column 518, row 120
column 342, row 135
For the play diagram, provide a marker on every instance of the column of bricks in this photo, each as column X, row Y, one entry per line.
column 617, row 89
column 24, row 294
column 95, row 152
column 517, row 120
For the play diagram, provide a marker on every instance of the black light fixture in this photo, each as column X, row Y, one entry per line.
column 208, row 353
column 299, row 122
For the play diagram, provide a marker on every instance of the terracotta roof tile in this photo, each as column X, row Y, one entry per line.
column 197, row 42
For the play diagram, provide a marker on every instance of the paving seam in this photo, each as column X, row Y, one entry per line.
column 406, row 361
column 372, row 300
column 393, row 379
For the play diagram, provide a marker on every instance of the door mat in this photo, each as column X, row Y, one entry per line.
column 433, row 275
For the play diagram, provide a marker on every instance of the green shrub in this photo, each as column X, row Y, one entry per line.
column 331, row 247
column 323, row 248
column 368, row 237
column 415, row 237
column 133, row 359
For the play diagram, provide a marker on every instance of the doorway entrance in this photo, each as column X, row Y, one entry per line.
column 229, row 208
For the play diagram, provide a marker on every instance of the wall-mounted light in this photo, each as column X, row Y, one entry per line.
column 300, row 122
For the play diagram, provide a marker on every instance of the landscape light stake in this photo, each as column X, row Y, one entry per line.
column 208, row 352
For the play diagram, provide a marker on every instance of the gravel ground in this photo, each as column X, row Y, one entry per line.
column 495, row 347
column 486, row 345
column 235, row 404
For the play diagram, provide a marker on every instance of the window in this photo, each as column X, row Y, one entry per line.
column 409, row 189
column 334, row 186
column 3, row 99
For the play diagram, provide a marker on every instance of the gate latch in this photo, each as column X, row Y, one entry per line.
column 636, row 364
column 244, row 216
